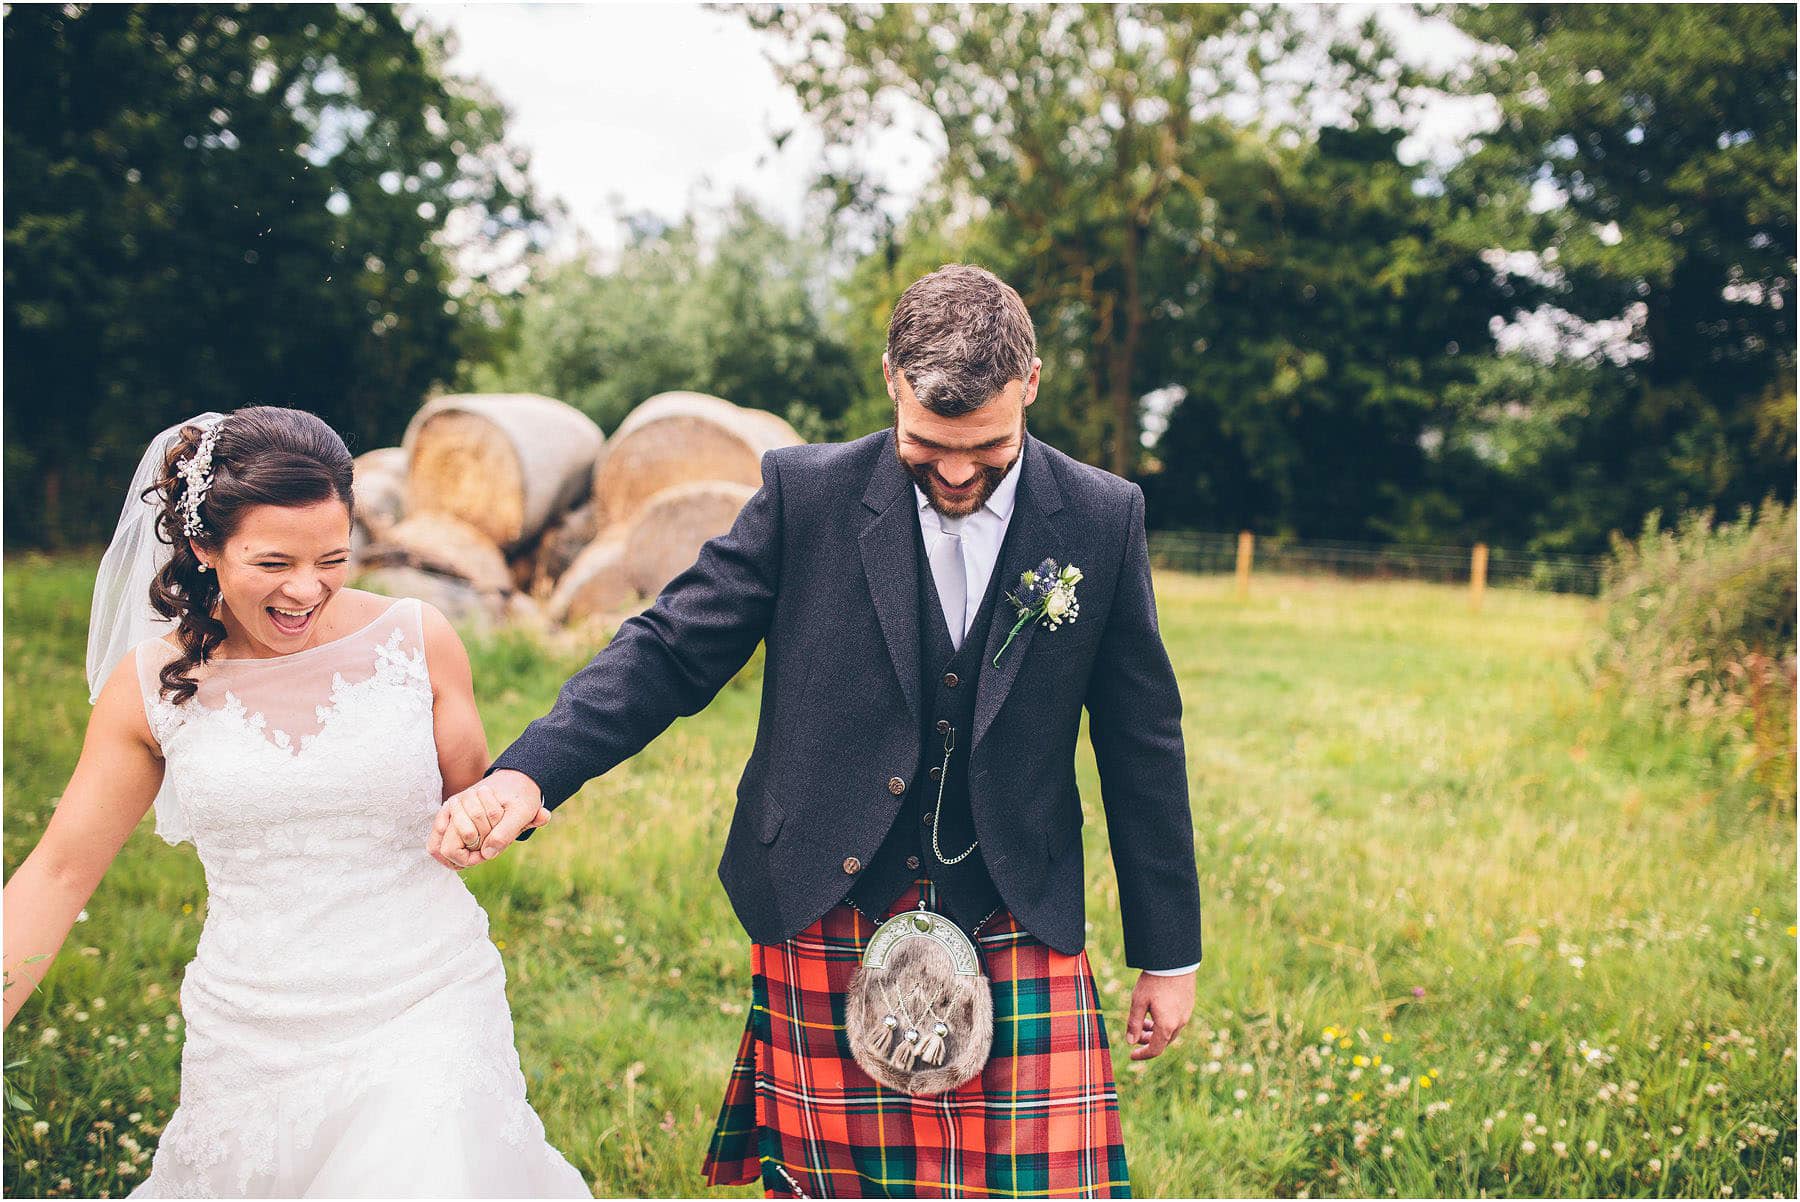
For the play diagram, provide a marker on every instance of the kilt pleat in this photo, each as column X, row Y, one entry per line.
column 1041, row 1120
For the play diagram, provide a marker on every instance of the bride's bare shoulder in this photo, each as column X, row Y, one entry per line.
column 355, row 608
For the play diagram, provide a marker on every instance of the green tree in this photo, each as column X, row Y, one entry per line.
column 1068, row 129
column 1645, row 157
column 742, row 313
column 211, row 206
column 1318, row 368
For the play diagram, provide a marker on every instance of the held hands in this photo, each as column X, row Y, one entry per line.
column 477, row 824
column 1160, row 1008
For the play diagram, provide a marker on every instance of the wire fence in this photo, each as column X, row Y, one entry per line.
column 1205, row 551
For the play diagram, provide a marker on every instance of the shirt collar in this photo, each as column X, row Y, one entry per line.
column 1000, row 504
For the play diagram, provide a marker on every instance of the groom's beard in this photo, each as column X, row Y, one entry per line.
column 959, row 505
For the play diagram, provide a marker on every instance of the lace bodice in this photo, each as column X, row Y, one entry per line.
column 308, row 783
column 262, row 734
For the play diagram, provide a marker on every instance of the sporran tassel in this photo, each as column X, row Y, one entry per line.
column 932, row 1050
column 882, row 1041
column 905, row 1053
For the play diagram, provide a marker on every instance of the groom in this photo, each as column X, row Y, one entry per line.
column 907, row 753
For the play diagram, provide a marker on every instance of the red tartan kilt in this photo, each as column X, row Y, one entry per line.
column 1041, row 1120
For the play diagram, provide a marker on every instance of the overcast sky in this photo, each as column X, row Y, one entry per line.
column 659, row 107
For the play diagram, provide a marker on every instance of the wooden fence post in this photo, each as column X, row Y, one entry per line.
column 1478, row 576
column 1246, row 552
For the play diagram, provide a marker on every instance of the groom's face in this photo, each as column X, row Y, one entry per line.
column 958, row 462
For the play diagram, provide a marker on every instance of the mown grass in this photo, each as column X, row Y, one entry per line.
column 1465, row 932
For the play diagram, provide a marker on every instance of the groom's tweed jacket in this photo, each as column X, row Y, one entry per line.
column 821, row 566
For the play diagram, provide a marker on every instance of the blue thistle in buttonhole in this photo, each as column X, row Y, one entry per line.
column 1047, row 594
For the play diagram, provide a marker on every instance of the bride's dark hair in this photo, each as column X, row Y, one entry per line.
column 262, row 456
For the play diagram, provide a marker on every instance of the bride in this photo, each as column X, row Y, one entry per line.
column 347, row 1023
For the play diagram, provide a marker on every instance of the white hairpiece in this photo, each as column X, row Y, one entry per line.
column 196, row 470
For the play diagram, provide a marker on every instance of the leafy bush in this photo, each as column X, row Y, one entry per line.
column 1699, row 628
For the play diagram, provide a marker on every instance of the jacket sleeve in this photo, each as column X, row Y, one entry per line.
column 664, row 663
column 1134, row 720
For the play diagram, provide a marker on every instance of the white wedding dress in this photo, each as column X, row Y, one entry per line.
column 347, row 1024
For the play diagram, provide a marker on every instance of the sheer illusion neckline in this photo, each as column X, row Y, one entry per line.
column 291, row 656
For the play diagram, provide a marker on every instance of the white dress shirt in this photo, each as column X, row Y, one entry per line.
column 981, row 533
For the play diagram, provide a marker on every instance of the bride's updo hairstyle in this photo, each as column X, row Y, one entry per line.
column 260, row 455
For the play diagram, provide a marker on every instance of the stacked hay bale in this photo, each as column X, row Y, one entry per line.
column 508, row 506
column 674, row 474
column 484, row 475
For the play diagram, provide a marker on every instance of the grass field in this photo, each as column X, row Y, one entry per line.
column 1465, row 934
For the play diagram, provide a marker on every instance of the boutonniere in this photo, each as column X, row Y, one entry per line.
column 1046, row 594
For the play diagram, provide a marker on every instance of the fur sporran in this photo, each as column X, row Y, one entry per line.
column 920, row 1012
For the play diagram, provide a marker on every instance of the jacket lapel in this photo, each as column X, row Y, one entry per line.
column 891, row 563
column 1031, row 537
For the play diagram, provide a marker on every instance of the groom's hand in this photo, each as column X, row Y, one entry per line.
column 1160, row 1007
column 480, row 822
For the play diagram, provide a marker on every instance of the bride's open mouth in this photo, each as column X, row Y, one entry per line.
column 291, row 621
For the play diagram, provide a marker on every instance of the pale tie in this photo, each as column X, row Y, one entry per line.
column 947, row 573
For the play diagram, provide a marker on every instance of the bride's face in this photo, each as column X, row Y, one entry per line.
column 278, row 573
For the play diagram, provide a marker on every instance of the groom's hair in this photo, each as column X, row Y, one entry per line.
column 959, row 336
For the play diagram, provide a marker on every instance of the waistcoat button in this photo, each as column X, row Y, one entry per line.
column 912, row 861
column 943, row 726
column 936, row 772
column 950, row 680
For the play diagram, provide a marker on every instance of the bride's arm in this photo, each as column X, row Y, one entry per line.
column 462, row 746
column 115, row 781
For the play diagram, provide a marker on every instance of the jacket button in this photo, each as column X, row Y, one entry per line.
column 936, row 772
column 912, row 861
column 896, row 786
column 943, row 726
column 852, row 865
column 950, row 681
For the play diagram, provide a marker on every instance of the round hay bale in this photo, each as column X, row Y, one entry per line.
column 679, row 438
column 506, row 463
column 454, row 598
column 667, row 535
column 382, row 459
column 380, row 485
column 448, row 546
column 594, row 585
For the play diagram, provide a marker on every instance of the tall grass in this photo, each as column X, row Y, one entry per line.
column 1699, row 630
column 1467, row 930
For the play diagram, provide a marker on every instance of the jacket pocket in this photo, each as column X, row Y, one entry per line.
column 772, row 818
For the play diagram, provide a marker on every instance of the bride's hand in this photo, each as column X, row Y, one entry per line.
column 479, row 823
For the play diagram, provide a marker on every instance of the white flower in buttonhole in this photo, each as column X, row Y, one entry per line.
column 1046, row 594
